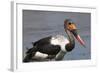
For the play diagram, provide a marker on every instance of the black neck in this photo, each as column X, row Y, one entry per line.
column 70, row 37
column 71, row 45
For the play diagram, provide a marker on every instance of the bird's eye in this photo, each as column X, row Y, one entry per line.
column 69, row 23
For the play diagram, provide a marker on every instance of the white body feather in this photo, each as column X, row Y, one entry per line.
column 39, row 55
column 60, row 40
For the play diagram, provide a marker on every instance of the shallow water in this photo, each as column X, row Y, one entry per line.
column 40, row 24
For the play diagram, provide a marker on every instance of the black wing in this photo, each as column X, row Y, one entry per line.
column 49, row 49
column 44, row 46
column 42, row 41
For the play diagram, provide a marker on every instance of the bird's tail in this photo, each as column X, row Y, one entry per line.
column 27, row 58
column 29, row 54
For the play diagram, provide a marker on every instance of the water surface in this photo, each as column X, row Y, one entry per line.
column 40, row 24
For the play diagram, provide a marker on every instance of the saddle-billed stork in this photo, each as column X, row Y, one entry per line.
column 54, row 47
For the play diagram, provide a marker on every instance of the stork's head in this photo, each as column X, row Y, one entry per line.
column 70, row 26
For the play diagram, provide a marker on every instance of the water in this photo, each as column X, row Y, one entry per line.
column 40, row 24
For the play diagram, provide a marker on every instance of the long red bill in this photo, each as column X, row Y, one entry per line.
column 80, row 40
